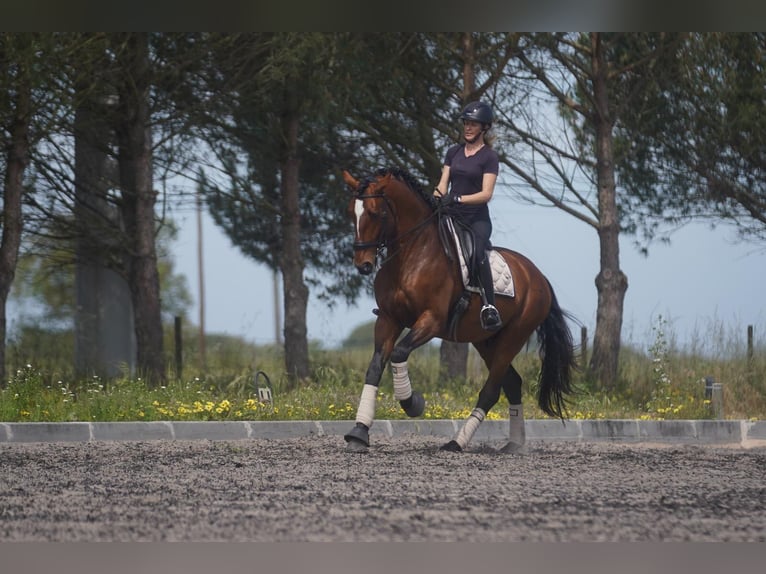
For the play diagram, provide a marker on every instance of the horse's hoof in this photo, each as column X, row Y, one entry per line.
column 414, row 406
column 452, row 446
column 355, row 445
column 513, row 448
column 358, row 439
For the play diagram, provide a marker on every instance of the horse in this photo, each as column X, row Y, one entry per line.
column 418, row 286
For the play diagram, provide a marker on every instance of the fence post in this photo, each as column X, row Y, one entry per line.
column 714, row 393
column 717, row 400
column 583, row 345
column 179, row 348
column 749, row 345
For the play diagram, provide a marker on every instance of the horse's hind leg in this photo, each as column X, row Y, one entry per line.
column 517, row 436
column 497, row 354
column 488, row 397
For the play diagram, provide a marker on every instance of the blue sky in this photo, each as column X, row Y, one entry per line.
column 707, row 285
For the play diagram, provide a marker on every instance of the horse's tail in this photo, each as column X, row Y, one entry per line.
column 556, row 349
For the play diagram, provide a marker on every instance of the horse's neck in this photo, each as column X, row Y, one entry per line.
column 417, row 232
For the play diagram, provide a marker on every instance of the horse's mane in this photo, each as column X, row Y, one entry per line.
column 405, row 177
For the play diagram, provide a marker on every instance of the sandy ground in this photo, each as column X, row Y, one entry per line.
column 403, row 489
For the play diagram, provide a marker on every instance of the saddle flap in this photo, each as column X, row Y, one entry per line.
column 502, row 278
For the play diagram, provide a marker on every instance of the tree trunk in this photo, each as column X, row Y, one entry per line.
column 13, row 189
column 611, row 282
column 296, row 293
column 135, row 167
column 104, row 332
column 453, row 356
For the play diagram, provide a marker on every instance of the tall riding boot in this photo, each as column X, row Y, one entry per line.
column 490, row 317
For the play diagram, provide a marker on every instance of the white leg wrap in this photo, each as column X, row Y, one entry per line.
column 365, row 414
column 402, row 385
column 465, row 434
column 517, row 433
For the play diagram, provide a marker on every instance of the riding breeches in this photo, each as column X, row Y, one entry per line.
column 482, row 230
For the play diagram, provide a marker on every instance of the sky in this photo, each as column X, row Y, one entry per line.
column 707, row 286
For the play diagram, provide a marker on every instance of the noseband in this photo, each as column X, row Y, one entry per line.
column 378, row 243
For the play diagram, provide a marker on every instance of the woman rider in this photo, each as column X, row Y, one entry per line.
column 466, row 185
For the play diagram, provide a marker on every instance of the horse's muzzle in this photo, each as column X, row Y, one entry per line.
column 365, row 268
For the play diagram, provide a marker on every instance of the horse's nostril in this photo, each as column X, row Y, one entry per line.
column 365, row 268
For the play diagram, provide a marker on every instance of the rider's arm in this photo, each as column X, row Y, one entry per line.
column 487, row 189
column 442, row 187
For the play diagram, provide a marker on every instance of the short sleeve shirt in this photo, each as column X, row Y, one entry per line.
column 467, row 174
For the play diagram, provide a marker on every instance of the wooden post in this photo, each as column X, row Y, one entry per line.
column 201, row 279
column 277, row 310
column 583, row 345
column 179, row 348
column 717, row 400
column 749, row 345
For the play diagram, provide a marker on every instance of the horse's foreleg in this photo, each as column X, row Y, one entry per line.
column 358, row 438
column 517, row 436
column 412, row 402
column 386, row 333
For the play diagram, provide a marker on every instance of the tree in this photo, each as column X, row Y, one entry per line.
column 16, row 67
column 563, row 106
column 485, row 62
column 138, row 197
column 695, row 148
column 427, row 78
column 94, row 179
column 280, row 150
column 104, row 331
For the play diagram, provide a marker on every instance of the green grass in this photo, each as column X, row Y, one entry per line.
column 660, row 383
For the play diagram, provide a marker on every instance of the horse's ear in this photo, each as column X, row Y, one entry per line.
column 350, row 181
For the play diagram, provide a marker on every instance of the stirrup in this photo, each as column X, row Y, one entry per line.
column 490, row 318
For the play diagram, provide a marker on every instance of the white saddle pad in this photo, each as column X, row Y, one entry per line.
column 502, row 278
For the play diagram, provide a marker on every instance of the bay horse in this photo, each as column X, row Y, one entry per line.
column 417, row 286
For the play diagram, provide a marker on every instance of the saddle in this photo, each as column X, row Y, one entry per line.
column 458, row 238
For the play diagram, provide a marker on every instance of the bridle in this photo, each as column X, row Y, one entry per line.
column 378, row 243
column 381, row 242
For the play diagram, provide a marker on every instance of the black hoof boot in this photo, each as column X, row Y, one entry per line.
column 452, row 446
column 358, row 439
column 415, row 405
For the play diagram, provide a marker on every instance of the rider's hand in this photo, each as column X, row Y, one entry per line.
column 450, row 199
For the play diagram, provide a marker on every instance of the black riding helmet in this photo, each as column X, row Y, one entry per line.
column 478, row 112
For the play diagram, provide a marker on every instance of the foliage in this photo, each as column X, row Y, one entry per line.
column 694, row 147
column 687, row 115
column 44, row 282
column 661, row 383
column 362, row 337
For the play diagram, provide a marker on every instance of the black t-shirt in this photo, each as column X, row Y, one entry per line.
column 466, row 175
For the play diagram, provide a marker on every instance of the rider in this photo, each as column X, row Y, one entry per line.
column 466, row 185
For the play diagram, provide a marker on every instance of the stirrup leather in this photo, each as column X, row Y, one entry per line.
column 490, row 318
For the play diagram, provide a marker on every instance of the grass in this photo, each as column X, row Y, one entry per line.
column 658, row 383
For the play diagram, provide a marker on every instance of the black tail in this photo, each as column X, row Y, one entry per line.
column 558, row 360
